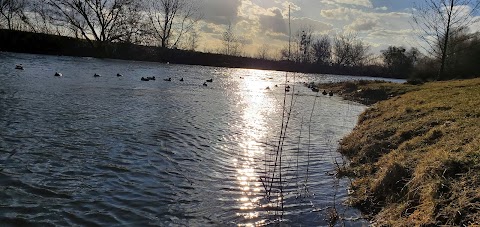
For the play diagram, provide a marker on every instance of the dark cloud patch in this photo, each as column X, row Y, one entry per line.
column 274, row 23
column 220, row 11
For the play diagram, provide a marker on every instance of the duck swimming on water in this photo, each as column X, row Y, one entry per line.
column 19, row 67
column 96, row 75
column 210, row 80
column 58, row 74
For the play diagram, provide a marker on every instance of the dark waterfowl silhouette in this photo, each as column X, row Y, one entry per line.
column 118, row 74
column 330, row 93
column 58, row 74
column 19, row 67
column 144, row 79
column 181, row 79
column 169, row 79
column 96, row 75
column 315, row 89
column 205, row 84
column 151, row 78
column 210, row 80
column 324, row 92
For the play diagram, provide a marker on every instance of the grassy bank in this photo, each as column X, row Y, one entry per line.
column 415, row 157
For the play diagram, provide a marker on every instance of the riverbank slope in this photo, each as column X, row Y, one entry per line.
column 415, row 157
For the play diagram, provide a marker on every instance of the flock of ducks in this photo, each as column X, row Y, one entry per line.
column 148, row 78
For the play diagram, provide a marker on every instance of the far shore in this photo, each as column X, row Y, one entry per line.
column 37, row 43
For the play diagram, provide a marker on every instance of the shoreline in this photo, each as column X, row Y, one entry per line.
column 415, row 152
column 37, row 43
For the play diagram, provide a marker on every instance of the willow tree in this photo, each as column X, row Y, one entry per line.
column 97, row 20
column 170, row 20
column 440, row 21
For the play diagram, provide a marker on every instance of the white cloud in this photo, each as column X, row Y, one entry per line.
column 362, row 24
column 364, row 3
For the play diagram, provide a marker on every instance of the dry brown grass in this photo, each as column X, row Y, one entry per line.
column 416, row 156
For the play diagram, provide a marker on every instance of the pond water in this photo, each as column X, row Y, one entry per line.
column 118, row 151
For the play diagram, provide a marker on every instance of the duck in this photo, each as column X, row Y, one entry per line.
column 330, row 93
column 19, row 67
column 169, row 79
column 144, row 79
column 324, row 92
column 58, row 74
column 210, row 80
column 181, row 79
column 287, row 87
column 314, row 89
column 119, row 75
column 205, row 84
column 267, row 88
column 96, row 75
column 151, row 78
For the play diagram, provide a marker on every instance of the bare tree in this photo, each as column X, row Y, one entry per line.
column 439, row 20
column 97, row 20
column 301, row 50
column 12, row 12
column 231, row 42
column 191, row 40
column 263, row 52
column 40, row 20
column 170, row 20
column 348, row 50
column 322, row 50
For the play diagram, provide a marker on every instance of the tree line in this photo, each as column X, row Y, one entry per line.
column 450, row 51
column 165, row 23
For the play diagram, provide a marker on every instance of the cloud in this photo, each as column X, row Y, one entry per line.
column 317, row 26
column 362, row 24
column 344, row 13
column 383, row 8
column 275, row 23
column 364, row 3
column 220, row 11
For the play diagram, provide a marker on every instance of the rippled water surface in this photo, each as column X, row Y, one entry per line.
column 118, row 151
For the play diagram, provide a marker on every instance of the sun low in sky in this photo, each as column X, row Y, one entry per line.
column 260, row 23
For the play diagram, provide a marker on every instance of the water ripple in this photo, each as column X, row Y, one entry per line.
column 111, row 151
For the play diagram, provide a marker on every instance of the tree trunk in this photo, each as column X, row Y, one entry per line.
column 445, row 43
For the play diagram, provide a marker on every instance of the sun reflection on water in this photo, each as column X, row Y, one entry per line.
column 257, row 106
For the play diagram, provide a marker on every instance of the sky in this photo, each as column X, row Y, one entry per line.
column 264, row 23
